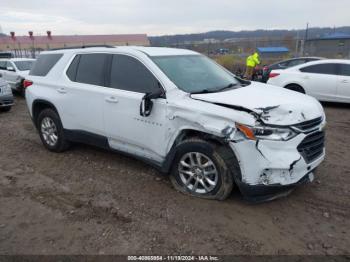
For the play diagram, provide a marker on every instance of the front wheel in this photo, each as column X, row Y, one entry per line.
column 203, row 169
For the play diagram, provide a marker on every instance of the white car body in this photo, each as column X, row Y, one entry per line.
column 332, row 87
column 14, row 78
column 115, row 115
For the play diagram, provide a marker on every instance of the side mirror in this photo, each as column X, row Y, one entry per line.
column 147, row 103
column 10, row 68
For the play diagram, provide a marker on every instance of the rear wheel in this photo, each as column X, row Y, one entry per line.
column 203, row 169
column 296, row 88
column 51, row 131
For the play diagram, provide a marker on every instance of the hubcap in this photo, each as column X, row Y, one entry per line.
column 198, row 172
column 49, row 131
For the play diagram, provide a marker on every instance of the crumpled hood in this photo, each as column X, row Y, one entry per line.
column 273, row 105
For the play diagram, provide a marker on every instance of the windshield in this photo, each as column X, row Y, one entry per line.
column 24, row 65
column 196, row 73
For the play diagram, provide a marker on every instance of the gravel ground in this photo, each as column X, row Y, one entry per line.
column 91, row 201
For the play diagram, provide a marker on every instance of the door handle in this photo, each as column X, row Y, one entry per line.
column 62, row 90
column 345, row 81
column 111, row 99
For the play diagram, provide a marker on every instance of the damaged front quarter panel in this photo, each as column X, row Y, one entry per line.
column 262, row 161
column 205, row 117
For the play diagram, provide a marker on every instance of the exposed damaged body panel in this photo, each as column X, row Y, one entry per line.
column 262, row 162
column 273, row 105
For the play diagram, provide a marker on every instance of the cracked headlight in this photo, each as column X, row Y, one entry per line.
column 266, row 132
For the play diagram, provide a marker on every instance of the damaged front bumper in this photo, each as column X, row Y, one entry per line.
column 271, row 169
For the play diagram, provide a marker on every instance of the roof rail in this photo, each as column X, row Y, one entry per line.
column 83, row 46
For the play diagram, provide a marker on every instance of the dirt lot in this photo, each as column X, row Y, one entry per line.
column 90, row 201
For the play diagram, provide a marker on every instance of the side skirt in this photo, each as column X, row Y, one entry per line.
column 92, row 139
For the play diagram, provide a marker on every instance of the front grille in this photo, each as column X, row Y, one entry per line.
column 312, row 146
column 309, row 125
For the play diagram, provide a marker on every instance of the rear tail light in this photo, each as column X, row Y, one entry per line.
column 271, row 75
column 27, row 83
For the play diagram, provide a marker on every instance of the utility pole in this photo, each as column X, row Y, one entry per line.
column 297, row 45
column 305, row 37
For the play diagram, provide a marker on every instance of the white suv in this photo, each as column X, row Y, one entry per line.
column 181, row 112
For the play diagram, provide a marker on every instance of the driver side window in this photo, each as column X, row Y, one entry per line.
column 127, row 73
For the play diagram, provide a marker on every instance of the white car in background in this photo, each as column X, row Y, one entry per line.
column 15, row 70
column 326, row 80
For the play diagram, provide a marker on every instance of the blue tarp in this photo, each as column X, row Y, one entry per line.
column 276, row 49
column 336, row 36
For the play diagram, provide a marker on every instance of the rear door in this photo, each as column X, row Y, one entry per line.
column 343, row 87
column 320, row 81
column 126, row 129
column 82, row 96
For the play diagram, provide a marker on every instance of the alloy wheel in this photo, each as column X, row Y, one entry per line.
column 198, row 172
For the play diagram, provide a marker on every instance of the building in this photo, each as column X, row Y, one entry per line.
column 336, row 45
column 25, row 46
column 273, row 52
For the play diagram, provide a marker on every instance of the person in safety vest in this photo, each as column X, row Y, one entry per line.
column 252, row 61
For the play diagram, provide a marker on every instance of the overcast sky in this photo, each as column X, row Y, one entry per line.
column 158, row 17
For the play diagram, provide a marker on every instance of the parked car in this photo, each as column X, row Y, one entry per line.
column 15, row 70
column 326, row 80
column 286, row 64
column 6, row 97
column 181, row 112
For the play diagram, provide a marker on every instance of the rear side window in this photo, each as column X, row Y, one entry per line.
column 73, row 68
column 127, row 73
column 344, row 70
column 44, row 64
column 91, row 69
column 296, row 62
column 329, row 69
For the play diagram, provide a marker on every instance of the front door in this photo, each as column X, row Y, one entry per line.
column 126, row 129
column 81, row 97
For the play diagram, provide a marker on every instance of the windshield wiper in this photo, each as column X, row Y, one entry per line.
column 226, row 87
column 206, row 91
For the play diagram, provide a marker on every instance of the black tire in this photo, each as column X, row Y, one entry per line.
column 224, row 160
column 296, row 88
column 61, row 143
column 5, row 109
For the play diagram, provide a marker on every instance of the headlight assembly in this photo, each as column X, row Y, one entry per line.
column 266, row 132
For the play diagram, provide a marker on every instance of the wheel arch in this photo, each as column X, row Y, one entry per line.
column 295, row 83
column 186, row 134
column 38, row 106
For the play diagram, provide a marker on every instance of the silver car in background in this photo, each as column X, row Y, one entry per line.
column 6, row 97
